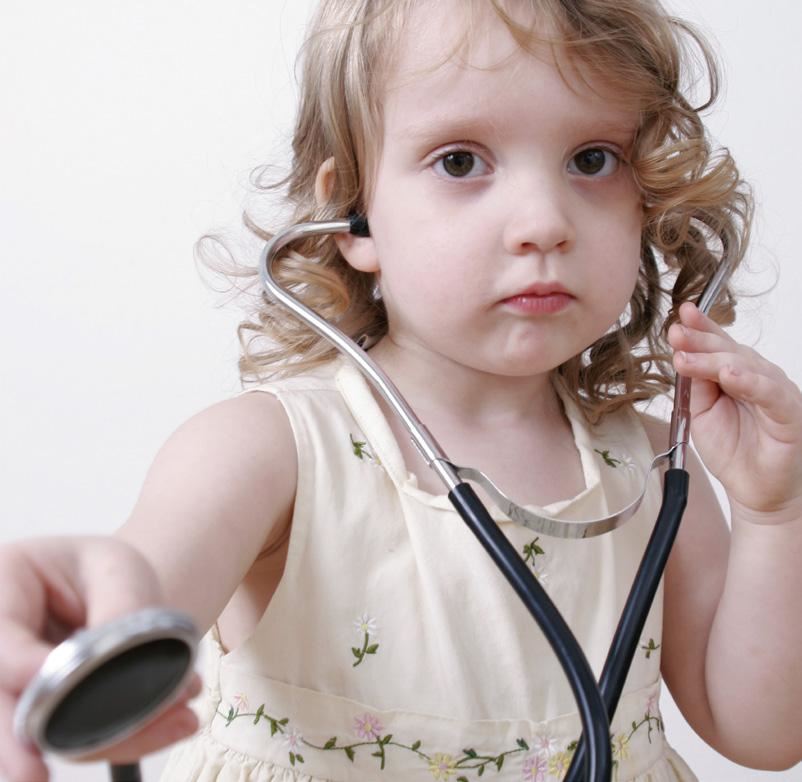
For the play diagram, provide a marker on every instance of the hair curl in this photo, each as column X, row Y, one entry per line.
column 696, row 209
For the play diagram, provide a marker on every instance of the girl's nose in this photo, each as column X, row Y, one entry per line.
column 538, row 220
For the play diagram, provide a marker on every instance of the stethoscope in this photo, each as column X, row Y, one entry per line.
column 103, row 684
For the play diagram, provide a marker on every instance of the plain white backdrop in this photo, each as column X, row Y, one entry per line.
column 129, row 129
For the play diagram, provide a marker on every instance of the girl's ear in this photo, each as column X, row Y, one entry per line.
column 359, row 251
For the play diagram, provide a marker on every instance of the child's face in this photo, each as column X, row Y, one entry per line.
column 491, row 182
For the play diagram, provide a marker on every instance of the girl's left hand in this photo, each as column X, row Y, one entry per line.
column 746, row 419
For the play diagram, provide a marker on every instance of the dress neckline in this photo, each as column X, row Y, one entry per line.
column 364, row 407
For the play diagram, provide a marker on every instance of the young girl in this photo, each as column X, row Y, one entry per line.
column 535, row 183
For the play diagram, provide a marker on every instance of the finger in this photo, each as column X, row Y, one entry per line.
column 51, row 587
column 690, row 315
column 21, row 656
column 23, row 611
column 18, row 763
column 705, row 388
column 779, row 402
column 774, row 394
column 682, row 337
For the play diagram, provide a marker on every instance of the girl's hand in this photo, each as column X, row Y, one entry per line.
column 746, row 419
column 49, row 588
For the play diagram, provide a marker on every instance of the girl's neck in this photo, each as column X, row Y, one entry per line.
column 434, row 385
column 514, row 429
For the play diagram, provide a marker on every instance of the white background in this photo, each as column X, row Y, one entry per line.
column 129, row 129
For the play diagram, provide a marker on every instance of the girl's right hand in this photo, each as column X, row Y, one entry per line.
column 49, row 588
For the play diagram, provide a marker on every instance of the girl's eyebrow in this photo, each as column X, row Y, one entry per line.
column 455, row 128
column 435, row 130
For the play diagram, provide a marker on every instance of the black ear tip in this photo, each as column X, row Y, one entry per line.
column 359, row 224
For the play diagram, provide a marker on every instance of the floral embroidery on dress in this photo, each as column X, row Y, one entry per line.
column 560, row 762
column 546, row 761
column 293, row 740
column 360, row 450
column 620, row 747
column 545, row 743
column 535, row 768
column 620, row 742
column 442, row 766
column 368, row 726
column 535, row 556
column 618, row 460
column 649, row 647
column 366, row 629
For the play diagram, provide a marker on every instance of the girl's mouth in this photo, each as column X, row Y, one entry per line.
column 534, row 304
column 540, row 299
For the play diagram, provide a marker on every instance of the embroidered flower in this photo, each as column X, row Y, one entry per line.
column 535, row 556
column 651, row 705
column 535, row 768
column 622, row 459
column 365, row 624
column 559, row 763
column 360, row 450
column 540, row 571
column 545, row 743
column 609, row 460
column 536, row 765
column 649, row 646
column 442, row 766
column 240, row 702
column 627, row 462
column 368, row 726
column 620, row 746
column 293, row 740
column 365, row 627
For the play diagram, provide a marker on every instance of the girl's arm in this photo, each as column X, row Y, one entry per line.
column 220, row 489
column 733, row 604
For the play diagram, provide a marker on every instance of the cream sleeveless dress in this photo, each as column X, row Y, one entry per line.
column 394, row 650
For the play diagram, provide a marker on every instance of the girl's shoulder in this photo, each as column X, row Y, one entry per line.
column 219, row 489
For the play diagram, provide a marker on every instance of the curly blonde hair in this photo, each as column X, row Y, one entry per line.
column 696, row 208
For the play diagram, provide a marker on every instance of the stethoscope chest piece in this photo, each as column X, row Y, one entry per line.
column 102, row 684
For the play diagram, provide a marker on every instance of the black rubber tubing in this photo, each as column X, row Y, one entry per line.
column 639, row 602
column 577, row 670
column 128, row 772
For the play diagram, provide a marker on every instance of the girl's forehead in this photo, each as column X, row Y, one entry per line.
column 449, row 31
column 442, row 41
column 451, row 56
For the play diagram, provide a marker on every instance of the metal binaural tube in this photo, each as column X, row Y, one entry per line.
column 680, row 432
column 429, row 449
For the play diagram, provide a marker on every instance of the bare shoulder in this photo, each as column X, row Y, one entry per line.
column 239, row 431
column 239, row 448
column 219, row 490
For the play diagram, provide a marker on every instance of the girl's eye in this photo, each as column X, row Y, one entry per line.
column 594, row 161
column 460, row 164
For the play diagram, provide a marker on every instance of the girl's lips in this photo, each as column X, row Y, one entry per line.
column 530, row 303
column 540, row 300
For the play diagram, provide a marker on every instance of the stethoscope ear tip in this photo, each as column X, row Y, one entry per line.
column 359, row 224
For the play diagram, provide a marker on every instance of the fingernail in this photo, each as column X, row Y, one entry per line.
column 688, row 358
